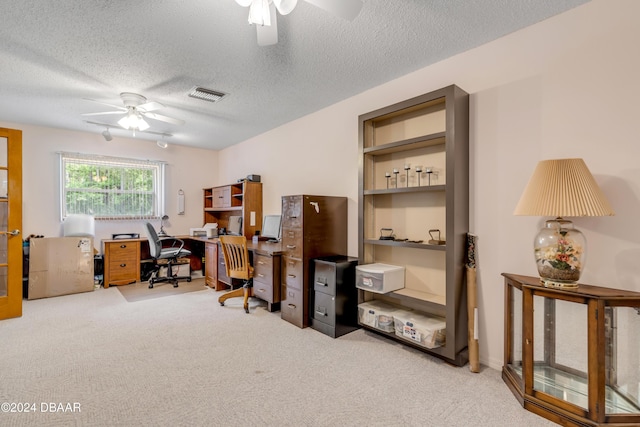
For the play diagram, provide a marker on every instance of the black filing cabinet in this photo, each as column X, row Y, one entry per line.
column 335, row 297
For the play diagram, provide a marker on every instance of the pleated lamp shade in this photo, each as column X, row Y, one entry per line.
column 563, row 188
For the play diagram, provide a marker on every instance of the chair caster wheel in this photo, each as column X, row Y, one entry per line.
column 175, row 285
column 246, row 310
column 222, row 304
column 189, row 279
column 150, row 285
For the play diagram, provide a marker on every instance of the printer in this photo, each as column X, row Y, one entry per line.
column 210, row 229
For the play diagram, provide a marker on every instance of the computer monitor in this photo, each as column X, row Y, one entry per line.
column 235, row 225
column 271, row 227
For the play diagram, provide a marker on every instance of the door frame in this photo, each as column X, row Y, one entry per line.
column 11, row 304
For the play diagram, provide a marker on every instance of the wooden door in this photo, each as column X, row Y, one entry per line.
column 10, row 223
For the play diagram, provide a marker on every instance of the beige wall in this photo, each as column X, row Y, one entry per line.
column 567, row 87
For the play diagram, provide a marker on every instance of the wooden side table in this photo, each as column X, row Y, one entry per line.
column 573, row 355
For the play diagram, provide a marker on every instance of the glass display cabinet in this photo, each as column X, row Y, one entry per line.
column 573, row 356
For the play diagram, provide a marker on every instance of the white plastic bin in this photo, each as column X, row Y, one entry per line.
column 427, row 331
column 378, row 314
column 379, row 278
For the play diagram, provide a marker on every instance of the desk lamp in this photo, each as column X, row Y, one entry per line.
column 561, row 188
column 162, row 233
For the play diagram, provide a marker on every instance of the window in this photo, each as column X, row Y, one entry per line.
column 111, row 187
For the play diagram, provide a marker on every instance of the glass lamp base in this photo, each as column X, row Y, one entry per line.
column 547, row 283
column 560, row 254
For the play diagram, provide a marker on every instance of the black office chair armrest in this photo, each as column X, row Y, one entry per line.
column 174, row 241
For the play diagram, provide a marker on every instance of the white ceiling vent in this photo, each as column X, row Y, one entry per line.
column 206, row 94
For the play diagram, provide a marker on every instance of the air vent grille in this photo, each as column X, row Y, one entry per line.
column 206, row 94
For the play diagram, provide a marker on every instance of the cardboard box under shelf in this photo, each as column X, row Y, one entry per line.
column 60, row 266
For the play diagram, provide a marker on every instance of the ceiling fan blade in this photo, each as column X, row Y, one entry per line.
column 347, row 9
column 119, row 107
column 150, row 106
column 156, row 133
column 268, row 34
column 163, row 118
column 103, row 112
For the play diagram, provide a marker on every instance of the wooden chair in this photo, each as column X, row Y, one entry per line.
column 236, row 260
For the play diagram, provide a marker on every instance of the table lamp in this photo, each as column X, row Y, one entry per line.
column 561, row 188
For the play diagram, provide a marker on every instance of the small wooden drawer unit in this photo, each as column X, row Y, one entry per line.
column 121, row 261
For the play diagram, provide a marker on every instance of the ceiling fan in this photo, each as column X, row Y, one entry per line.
column 263, row 14
column 135, row 109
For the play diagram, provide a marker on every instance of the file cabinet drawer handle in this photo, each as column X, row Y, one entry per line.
column 260, row 262
column 293, row 276
column 291, row 246
column 262, row 290
column 260, row 275
column 321, row 283
column 292, row 306
column 322, row 312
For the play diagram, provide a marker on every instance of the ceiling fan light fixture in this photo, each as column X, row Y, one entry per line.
column 259, row 13
column 206, row 94
column 133, row 121
column 285, row 6
column 142, row 124
column 124, row 122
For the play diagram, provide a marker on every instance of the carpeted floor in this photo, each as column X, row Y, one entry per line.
column 140, row 291
column 184, row 360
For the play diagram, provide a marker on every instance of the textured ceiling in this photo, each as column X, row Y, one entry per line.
column 57, row 56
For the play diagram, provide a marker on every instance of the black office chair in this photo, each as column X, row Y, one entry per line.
column 159, row 250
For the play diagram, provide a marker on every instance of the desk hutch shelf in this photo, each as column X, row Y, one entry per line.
column 243, row 198
column 413, row 178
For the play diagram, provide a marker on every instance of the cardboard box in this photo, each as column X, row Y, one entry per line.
column 60, row 266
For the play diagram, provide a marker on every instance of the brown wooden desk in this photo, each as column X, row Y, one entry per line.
column 266, row 263
column 123, row 257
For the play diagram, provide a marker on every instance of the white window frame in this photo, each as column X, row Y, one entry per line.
column 158, row 168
